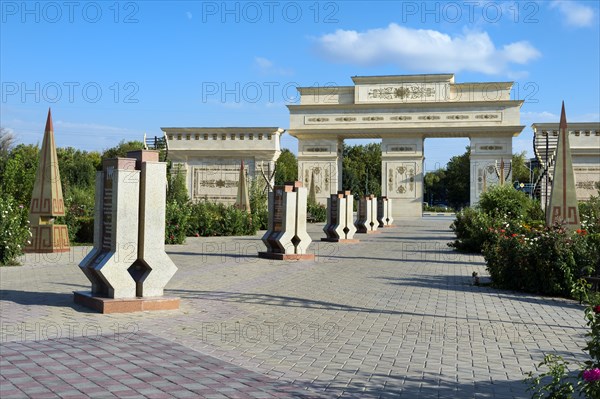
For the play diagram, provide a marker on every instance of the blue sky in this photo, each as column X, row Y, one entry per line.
column 113, row 71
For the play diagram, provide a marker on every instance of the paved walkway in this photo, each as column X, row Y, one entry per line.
column 393, row 316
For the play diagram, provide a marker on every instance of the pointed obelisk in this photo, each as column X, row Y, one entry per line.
column 47, row 200
column 563, row 199
column 243, row 198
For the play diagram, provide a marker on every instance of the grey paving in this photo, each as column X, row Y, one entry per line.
column 392, row 316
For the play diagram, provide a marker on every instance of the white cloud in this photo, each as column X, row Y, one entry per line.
column 188, row 15
column 267, row 67
column 575, row 14
column 424, row 49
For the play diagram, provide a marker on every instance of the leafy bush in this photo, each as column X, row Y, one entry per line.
column 258, row 205
column 472, row 230
column 589, row 213
column 210, row 219
column 317, row 211
column 79, row 205
column 176, row 222
column 499, row 206
column 85, row 230
column 543, row 260
column 14, row 230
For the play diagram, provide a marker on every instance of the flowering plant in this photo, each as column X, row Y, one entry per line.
column 14, row 230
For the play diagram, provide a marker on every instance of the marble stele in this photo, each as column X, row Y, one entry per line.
column 384, row 212
column 286, row 237
column 340, row 218
column 128, row 266
column 366, row 222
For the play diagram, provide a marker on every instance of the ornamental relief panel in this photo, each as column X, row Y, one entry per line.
column 218, row 180
column 405, row 92
column 411, row 117
column 401, row 179
column 325, row 175
column 587, row 182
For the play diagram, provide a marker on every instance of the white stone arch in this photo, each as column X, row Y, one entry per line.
column 402, row 111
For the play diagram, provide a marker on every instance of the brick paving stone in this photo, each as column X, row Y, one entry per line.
column 392, row 316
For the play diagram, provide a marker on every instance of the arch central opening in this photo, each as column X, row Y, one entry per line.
column 361, row 166
column 446, row 173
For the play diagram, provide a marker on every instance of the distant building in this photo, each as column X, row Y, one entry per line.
column 584, row 141
column 210, row 158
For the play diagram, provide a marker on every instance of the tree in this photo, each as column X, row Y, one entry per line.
column 435, row 187
column 121, row 149
column 286, row 167
column 77, row 168
column 520, row 171
column 18, row 174
column 458, row 180
column 7, row 141
column 361, row 169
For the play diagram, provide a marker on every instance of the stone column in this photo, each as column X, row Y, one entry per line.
column 340, row 219
column 286, row 237
column 384, row 212
column 128, row 266
column 487, row 153
column 321, row 159
column 402, row 175
column 366, row 222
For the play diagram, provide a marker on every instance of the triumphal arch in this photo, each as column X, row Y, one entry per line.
column 402, row 111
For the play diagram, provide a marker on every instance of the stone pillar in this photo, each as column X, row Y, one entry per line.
column 286, row 237
column 321, row 159
column 366, row 222
column 128, row 266
column 402, row 174
column 340, row 218
column 487, row 153
column 384, row 212
column 117, row 220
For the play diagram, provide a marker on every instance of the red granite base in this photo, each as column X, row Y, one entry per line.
column 127, row 305
column 341, row 240
column 278, row 256
column 369, row 232
column 386, row 226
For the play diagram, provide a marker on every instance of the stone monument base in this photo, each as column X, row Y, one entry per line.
column 341, row 240
column 279, row 256
column 125, row 305
column 387, row 225
column 369, row 232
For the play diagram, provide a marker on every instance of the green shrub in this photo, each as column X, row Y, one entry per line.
column 176, row 222
column 258, row 205
column 210, row 219
column 85, row 230
column 472, row 230
column 499, row 207
column 589, row 213
column 317, row 211
column 546, row 260
column 14, row 230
